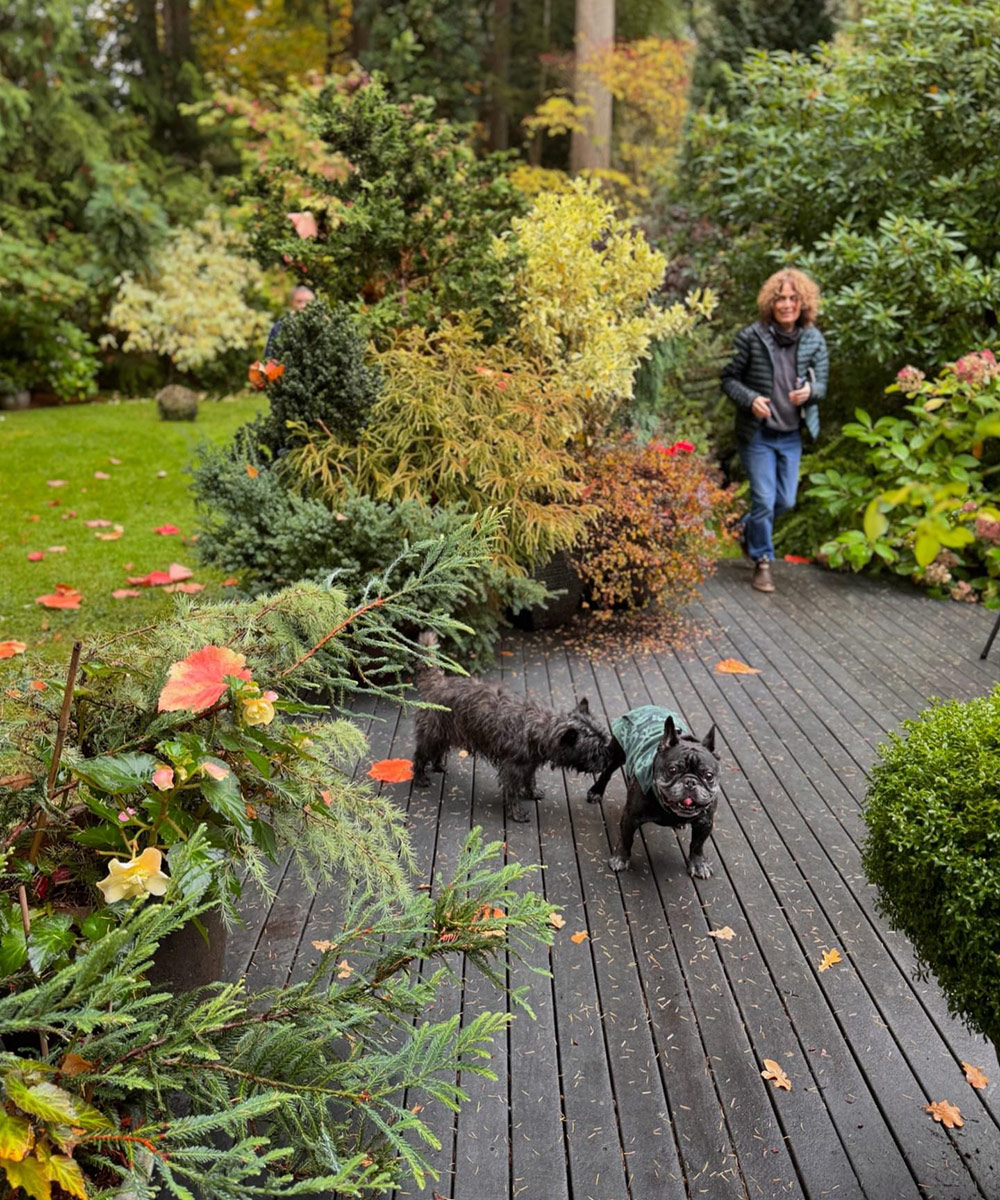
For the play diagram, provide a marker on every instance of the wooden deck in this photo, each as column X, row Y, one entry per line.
column 640, row 1078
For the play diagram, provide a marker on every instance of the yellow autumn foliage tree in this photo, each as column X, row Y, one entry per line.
column 192, row 304
column 584, row 292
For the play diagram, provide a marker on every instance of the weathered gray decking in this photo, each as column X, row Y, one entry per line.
column 640, row 1078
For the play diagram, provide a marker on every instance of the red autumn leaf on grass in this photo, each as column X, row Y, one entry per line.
column 231, row 582
column 173, row 574
column 98, row 524
column 113, row 536
column 198, row 681
column 733, row 666
column 53, row 503
column 63, row 597
column 36, row 556
column 392, row 770
column 166, row 530
column 101, row 475
column 9, row 649
column 798, row 558
column 125, row 593
column 34, row 517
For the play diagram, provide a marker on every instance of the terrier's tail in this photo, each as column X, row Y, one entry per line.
column 425, row 671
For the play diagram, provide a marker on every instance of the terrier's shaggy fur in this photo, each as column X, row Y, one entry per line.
column 517, row 735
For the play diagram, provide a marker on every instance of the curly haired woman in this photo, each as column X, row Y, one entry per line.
column 776, row 378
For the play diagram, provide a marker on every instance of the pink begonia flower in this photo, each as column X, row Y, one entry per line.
column 125, row 814
column 304, row 224
column 214, row 770
column 270, row 695
column 163, row 778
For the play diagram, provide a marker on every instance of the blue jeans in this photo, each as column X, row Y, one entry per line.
column 771, row 461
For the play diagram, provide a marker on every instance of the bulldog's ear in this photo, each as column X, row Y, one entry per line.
column 584, row 705
column 670, row 734
column 708, row 741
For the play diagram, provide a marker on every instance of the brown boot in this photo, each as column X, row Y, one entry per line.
column 762, row 580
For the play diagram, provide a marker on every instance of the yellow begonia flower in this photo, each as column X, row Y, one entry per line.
column 258, row 711
column 140, row 877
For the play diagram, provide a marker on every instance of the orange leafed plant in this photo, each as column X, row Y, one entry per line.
column 198, row 681
column 733, row 666
column 392, row 770
column 63, row 597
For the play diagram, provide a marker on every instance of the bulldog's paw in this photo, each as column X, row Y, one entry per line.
column 700, row 868
column 519, row 812
column 594, row 796
column 617, row 863
column 421, row 779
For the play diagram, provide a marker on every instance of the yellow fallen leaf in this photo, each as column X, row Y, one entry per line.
column 949, row 1116
column 974, row 1076
column 733, row 666
column 580, row 936
column 556, row 921
column 776, row 1075
column 829, row 958
column 725, row 934
column 344, row 969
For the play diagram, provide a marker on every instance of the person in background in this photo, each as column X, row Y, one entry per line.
column 776, row 378
column 298, row 298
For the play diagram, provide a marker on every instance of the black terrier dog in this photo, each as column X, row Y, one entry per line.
column 517, row 735
column 673, row 779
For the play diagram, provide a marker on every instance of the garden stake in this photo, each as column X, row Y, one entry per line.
column 36, row 841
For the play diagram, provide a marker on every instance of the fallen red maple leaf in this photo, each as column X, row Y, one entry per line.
column 36, row 556
column 101, row 475
column 198, row 681
column 797, row 558
column 125, row 593
column 392, row 770
column 231, row 582
column 98, row 524
column 63, row 597
column 9, row 649
column 166, row 530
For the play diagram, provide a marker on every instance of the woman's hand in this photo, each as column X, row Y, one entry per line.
column 801, row 395
column 761, row 407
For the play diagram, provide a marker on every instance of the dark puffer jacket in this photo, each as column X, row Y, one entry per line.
column 750, row 373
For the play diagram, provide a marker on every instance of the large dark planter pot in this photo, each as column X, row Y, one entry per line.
column 185, row 960
column 558, row 575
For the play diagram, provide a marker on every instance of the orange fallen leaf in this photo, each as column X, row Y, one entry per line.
column 36, row 556
column 9, row 649
column 39, row 685
column 392, row 770
column 344, row 969
column 98, row 523
column 112, row 535
column 74, row 1064
column 580, row 936
column 189, row 589
column 198, row 681
column 829, row 959
column 974, row 1076
column 115, row 462
column 57, row 482
column 55, row 550
column 949, row 1116
column 34, row 517
column 63, row 597
column 733, row 666
column 725, row 934
column 53, row 503
column 232, row 581
column 323, row 947
column 252, row 471
column 101, row 475
column 798, row 558
column 556, row 921
column 125, row 593
column 776, row 1074
column 166, row 530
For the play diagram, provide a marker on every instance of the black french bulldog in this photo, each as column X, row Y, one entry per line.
column 672, row 777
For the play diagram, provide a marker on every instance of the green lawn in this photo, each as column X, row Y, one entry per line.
column 147, row 487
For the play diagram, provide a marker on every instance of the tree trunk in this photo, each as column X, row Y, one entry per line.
column 177, row 30
column 363, row 14
column 146, row 39
column 499, row 123
column 595, row 28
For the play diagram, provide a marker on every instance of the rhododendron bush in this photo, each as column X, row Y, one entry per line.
column 928, row 503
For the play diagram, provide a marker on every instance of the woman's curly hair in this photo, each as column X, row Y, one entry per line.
column 806, row 289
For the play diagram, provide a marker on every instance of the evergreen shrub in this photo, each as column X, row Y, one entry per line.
column 326, row 383
column 933, row 850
